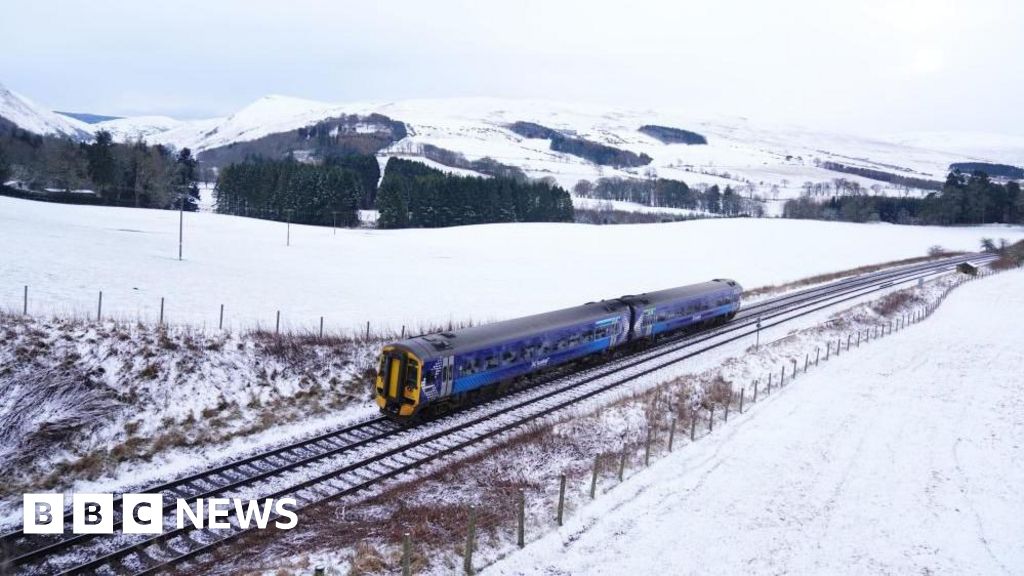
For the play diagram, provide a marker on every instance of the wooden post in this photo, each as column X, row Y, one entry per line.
column 161, row 322
column 403, row 332
column 367, row 329
column 467, row 565
column 593, row 478
column 622, row 464
column 693, row 425
column 769, row 391
column 277, row 324
column 647, row 448
column 817, row 355
column 807, row 360
column 743, row 392
column 848, row 338
column 561, row 498
column 858, row 338
column 711, row 418
column 24, row 305
column 671, row 434
column 99, row 307
column 406, row 555
column 794, row 369
column 220, row 323
column 521, row 532
column 782, row 376
column 321, row 327
column 727, row 403
column 755, row 390
column 828, row 350
column 839, row 345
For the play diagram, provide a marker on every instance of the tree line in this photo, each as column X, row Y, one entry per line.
column 414, row 195
column 963, row 199
column 326, row 194
column 120, row 174
column 668, row 193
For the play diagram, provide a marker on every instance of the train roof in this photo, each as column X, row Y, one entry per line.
column 475, row 337
column 682, row 292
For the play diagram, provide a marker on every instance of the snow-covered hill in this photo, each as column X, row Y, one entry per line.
column 772, row 161
column 30, row 116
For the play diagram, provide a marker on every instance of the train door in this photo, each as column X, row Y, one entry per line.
column 646, row 323
column 447, row 375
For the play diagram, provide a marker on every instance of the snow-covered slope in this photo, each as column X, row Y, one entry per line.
column 902, row 457
column 470, row 272
column 30, row 116
column 137, row 127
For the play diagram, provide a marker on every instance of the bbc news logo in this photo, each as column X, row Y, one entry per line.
column 143, row 513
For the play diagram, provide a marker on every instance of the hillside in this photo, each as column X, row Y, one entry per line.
column 568, row 142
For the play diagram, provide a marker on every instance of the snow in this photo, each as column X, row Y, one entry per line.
column 30, row 116
column 904, row 456
column 66, row 254
column 137, row 127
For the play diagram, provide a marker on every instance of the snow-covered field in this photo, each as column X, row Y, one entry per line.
column 67, row 254
column 904, row 457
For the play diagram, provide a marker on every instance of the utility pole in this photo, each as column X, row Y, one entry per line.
column 288, row 241
column 757, row 342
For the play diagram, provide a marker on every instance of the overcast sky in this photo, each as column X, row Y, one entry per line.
column 858, row 65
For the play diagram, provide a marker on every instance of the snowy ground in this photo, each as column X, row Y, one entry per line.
column 67, row 254
column 901, row 457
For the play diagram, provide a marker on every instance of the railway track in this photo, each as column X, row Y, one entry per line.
column 351, row 459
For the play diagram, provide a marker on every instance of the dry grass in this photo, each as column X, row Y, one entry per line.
column 933, row 254
column 897, row 301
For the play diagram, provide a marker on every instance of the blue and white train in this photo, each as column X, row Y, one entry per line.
column 435, row 372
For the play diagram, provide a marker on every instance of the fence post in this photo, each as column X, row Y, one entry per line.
column 807, row 360
column 622, row 464
column 161, row 323
column 367, row 329
column 561, row 498
column 593, row 478
column 403, row 332
column 647, row 448
column 828, row 350
column 99, row 307
column 406, row 553
column 220, row 323
column 755, row 390
column 839, row 346
column 817, row 355
column 671, row 434
column 467, row 565
column 277, row 324
column 782, row 376
column 521, row 531
column 794, row 368
column 711, row 418
column 858, row 338
column 848, row 338
column 693, row 425
column 743, row 392
column 321, row 327
column 769, row 392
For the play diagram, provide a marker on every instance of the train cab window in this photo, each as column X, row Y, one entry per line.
column 411, row 374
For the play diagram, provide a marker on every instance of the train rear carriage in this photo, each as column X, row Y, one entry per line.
column 434, row 369
column 697, row 305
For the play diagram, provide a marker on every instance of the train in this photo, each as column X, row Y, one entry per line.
column 434, row 373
